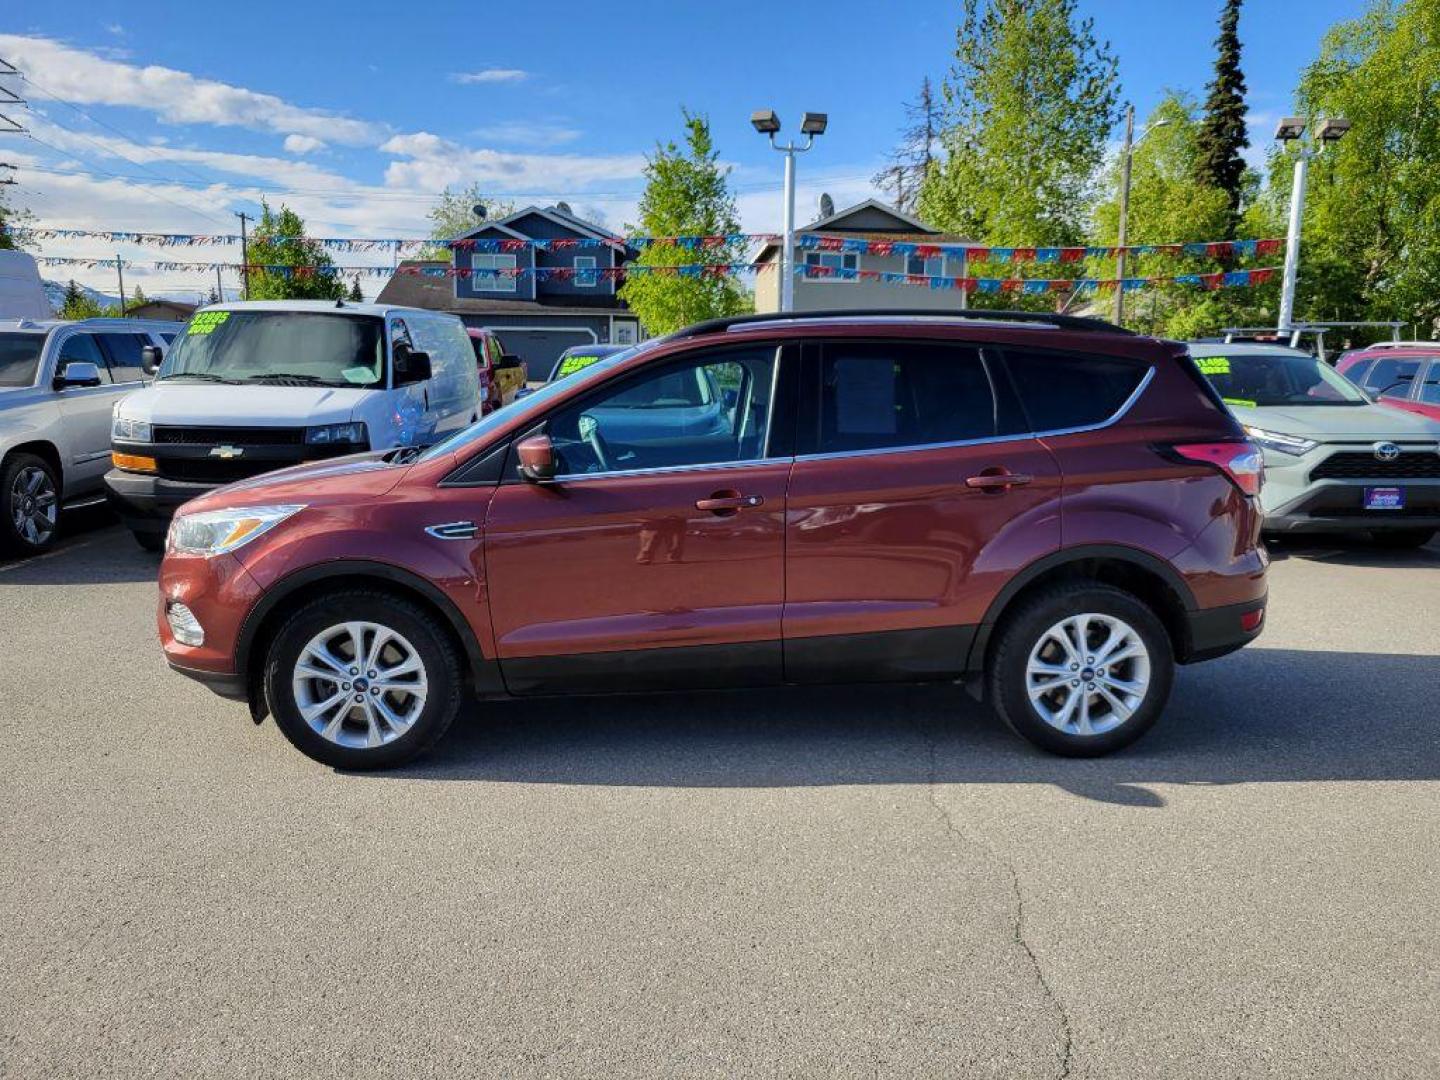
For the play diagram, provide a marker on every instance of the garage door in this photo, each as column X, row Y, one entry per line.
column 541, row 348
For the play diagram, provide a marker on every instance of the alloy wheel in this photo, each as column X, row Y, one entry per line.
column 1088, row 674
column 34, row 505
column 359, row 685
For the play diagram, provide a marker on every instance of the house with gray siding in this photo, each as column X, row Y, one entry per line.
column 569, row 301
column 869, row 220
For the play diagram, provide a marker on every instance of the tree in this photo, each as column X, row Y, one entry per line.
column 1029, row 102
column 79, row 304
column 279, row 240
column 911, row 160
column 213, row 296
column 11, row 218
column 139, row 298
column 1222, row 137
column 1372, row 215
column 454, row 215
column 686, row 194
column 355, row 294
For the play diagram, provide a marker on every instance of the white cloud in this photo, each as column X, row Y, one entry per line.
column 489, row 75
column 435, row 163
column 79, row 75
column 302, row 144
column 526, row 133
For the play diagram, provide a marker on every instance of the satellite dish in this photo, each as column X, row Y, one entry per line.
column 564, row 207
column 479, row 211
column 827, row 205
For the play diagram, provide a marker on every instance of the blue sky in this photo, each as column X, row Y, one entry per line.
column 358, row 119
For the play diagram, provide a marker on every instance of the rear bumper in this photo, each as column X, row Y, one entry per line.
column 1337, row 506
column 146, row 503
column 1212, row 632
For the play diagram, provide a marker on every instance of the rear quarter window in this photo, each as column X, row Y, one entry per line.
column 1069, row 390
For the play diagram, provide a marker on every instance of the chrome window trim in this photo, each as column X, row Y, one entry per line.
column 662, row 470
column 1115, row 418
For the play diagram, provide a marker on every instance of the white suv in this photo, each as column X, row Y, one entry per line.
column 59, row 382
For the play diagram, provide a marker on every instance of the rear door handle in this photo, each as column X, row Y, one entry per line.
column 997, row 481
column 723, row 502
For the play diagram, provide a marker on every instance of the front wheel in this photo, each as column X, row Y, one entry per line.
column 1081, row 669
column 362, row 680
column 29, row 504
column 1400, row 539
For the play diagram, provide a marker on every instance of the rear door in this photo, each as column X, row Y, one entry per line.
column 915, row 494
column 656, row 558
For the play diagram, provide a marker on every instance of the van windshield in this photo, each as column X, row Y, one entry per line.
column 19, row 356
column 280, row 348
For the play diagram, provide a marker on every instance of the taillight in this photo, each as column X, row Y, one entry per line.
column 1242, row 462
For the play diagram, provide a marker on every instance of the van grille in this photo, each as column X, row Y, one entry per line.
column 1356, row 465
column 232, row 436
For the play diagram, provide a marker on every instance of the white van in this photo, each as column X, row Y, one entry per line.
column 251, row 387
column 22, row 294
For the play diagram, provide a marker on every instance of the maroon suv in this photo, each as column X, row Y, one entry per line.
column 1048, row 508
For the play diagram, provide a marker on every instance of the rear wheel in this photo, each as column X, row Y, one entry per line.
column 362, row 680
column 1402, row 538
column 29, row 504
column 1081, row 669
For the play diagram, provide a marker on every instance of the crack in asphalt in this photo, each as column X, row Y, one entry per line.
column 1018, row 927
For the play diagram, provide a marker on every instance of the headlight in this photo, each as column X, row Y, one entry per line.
column 214, row 532
column 1294, row 445
column 329, row 434
column 128, row 430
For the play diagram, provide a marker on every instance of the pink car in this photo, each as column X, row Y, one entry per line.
column 1401, row 374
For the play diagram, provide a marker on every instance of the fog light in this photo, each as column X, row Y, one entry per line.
column 1252, row 619
column 184, row 625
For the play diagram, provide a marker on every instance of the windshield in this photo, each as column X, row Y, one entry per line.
column 19, row 356
column 1263, row 379
column 279, row 347
column 538, row 400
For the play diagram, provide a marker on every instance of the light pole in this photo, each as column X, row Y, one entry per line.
column 811, row 124
column 1293, row 129
column 1127, row 155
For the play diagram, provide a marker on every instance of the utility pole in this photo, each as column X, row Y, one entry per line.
column 1126, row 154
column 219, row 288
column 244, row 256
column 120, row 273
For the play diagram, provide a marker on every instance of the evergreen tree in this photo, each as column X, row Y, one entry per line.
column 139, row 298
column 911, row 161
column 686, row 194
column 355, row 294
column 79, row 304
column 11, row 218
column 279, row 240
column 1222, row 132
column 212, row 297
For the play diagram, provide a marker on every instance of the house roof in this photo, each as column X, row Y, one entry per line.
column 908, row 228
column 830, row 223
column 551, row 213
column 438, row 294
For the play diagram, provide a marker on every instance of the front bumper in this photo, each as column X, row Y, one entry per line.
column 145, row 502
column 1295, row 500
column 220, row 593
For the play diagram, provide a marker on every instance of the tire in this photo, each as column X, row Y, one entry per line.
column 29, row 505
column 151, row 542
column 1401, row 539
column 344, row 736
column 1031, row 632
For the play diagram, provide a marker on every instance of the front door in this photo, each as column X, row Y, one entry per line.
column 915, row 495
column 656, row 558
column 88, row 411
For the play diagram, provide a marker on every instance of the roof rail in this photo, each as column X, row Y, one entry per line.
column 1033, row 318
column 1402, row 345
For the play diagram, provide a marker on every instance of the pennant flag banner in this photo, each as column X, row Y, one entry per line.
column 1212, row 249
column 1030, row 286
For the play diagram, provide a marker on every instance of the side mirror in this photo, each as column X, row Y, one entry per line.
column 77, row 373
column 150, row 359
column 509, row 360
column 537, row 458
column 411, row 365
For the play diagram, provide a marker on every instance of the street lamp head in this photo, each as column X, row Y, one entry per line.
column 765, row 121
column 1290, row 128
column 1333, row 129
column 814, row 123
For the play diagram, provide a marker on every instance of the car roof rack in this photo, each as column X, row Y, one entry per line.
column 1041, row 319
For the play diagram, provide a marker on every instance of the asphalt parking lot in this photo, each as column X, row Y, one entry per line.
column 875, row 881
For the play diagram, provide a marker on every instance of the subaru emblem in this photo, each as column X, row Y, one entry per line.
column 1386, row 451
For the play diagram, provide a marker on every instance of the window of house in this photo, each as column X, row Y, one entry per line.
column 932, row 267
column 585, row 275
column 832, row 260
column 488, row 272
column 875, row 396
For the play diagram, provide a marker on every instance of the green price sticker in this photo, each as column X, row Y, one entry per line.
column 1244, row 403
column 205, row 322
column 572, row 364
column 1213, row 365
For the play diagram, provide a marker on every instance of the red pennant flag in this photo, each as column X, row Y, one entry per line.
column 1023, row 255
column 881, row 247
column 1072, row 255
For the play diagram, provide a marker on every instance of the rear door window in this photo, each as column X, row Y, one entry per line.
column 877, row 396
column 1060, row 391
column 82, row 349
column 1430, row 387
column 123, row 350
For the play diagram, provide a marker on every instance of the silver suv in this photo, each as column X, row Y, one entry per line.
column 59, row 382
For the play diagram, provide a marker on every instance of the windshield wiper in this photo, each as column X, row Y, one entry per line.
column 291, row 377
column 403, row 455
column 205, row 375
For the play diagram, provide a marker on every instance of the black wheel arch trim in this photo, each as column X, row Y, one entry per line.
column 484, row 671
column 1056, row 559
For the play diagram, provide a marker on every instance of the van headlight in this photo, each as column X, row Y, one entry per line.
column 126, row 430
column 215, row 532
column 331, row 434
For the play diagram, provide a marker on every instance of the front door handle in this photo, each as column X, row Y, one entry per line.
column 728, row 502
column 997, row 481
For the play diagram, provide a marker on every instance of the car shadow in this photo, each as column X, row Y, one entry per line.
column 93, row 549
column 1259, row 715
column 1345, row 550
